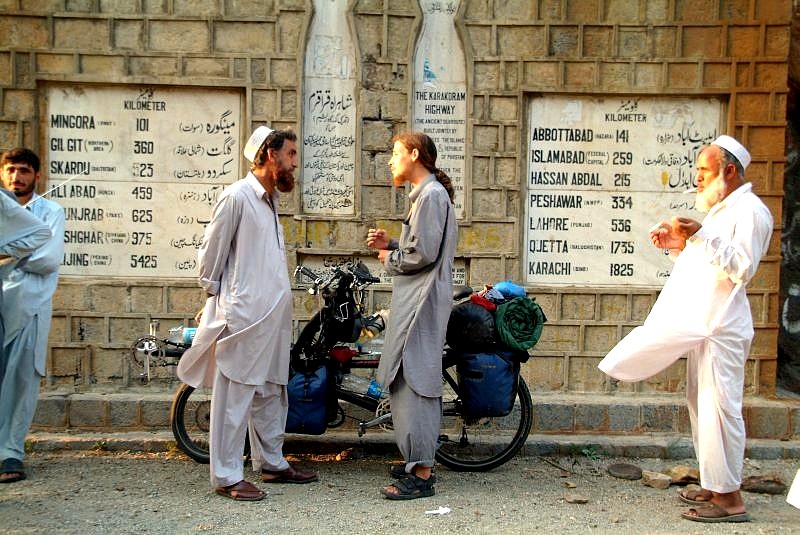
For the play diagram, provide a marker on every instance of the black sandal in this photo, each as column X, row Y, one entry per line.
column 410, row 487
column 398, row 471
column 14, row 469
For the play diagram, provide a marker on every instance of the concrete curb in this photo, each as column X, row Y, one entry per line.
column 588, row 415
column 640, row 446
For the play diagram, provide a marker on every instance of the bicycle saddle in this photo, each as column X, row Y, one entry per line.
column 461, row 292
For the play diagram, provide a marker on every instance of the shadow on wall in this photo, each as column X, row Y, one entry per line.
column 789, row 330
column 789, row 339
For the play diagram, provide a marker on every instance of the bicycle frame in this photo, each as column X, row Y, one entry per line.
column 150, row 350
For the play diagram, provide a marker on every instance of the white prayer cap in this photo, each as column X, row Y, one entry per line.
column 256, row 140
column 735, row 148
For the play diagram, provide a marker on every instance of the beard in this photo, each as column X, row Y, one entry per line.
column 398, row 180
column 714, row 193
column 22, row 190
column 284, row 180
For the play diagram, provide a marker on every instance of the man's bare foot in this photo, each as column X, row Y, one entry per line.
column 730, row 501
column 11, row 477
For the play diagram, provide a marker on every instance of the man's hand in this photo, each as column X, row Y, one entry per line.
column 663, row 236
column 685, row 227
column 673, row 234
column 377, row 239
column 198, row 316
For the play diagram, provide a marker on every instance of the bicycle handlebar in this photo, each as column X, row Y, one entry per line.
column 362, row 273
column 359, row 271
column 310, row 274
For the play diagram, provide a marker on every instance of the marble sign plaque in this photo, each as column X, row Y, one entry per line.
column 138, row 170
column 329, row 113
column 440, row 91
column 600, row 173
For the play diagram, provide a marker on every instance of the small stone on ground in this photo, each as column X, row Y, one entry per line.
column 684, row 475
column 657, row 480
column 574, row 497
column 625, row 471
column 766, row 484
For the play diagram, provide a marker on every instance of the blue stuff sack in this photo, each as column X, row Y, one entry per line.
column 307, row 395
column 487, row 383
column 509, row 289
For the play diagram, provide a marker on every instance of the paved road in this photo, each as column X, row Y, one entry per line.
column 120, row 492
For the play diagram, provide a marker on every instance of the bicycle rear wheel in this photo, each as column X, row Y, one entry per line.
column 478, row 445
column 190, row 418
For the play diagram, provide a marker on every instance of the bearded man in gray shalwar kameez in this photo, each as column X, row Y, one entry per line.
column 421, row 265
column 242, row 343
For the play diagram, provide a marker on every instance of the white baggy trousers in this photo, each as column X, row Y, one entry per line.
column 714, row 392
column 235, row 408
column 714, row 379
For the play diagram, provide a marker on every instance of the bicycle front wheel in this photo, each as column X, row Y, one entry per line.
column 190, row 418
column 478, row 445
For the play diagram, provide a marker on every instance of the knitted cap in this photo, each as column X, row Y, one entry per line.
column 256, row 140
column 735, row 148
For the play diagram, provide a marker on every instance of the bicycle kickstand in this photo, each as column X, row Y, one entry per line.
column 145, row 377
column 380, row 420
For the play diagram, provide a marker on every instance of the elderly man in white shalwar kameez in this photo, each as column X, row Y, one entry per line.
column 703, row 311
column 242, row 343
column 26, row 309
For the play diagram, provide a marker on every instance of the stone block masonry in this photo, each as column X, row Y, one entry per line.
column 147, row 409
column 515, row 51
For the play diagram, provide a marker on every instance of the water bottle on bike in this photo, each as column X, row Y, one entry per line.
column 360, row 385
column 182, row 335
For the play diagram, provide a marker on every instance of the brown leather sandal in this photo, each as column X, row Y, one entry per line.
column 695, row 497
column 714, row 513
column 243, row 491
column 289, row 475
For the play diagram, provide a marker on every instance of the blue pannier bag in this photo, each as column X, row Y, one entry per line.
column 487, row 383
column 307, row 395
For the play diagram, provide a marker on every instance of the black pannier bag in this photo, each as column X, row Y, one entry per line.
column 307, row 402
column 470, row 327
column 488, row 382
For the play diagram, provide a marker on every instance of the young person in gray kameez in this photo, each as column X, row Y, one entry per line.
column 421, row 264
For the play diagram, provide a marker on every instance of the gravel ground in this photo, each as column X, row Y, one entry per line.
column 102, row 492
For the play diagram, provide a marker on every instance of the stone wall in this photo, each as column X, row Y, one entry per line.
column 735, row 49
